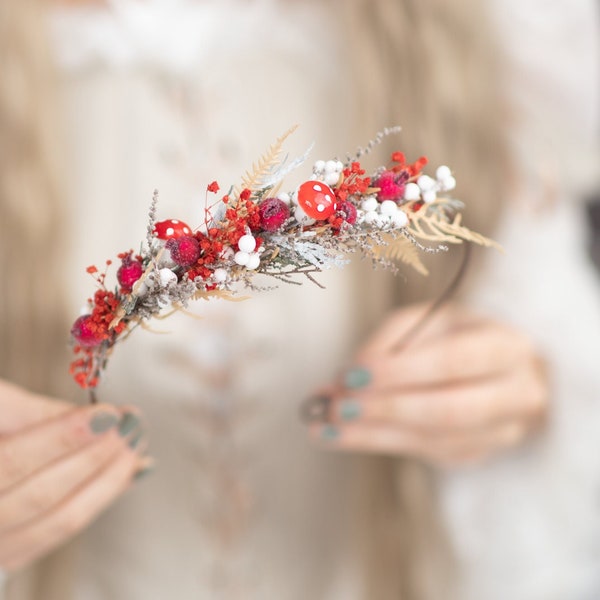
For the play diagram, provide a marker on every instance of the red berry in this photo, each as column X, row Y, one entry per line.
column 347, row 211
column 316, row 199
column 85, row 331
column 185, row 251
column 273, row 213
column 129, row 272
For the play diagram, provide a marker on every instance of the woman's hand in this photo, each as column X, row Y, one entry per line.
column 464, row 388
column 60, row 466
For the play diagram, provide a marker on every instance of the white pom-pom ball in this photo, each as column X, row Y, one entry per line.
column 166, row 277
column 412, row 192
column 319, row 166
column 247, row 243
column 443, row 172
column 399, row 219
column 220, row 275
column 369, row 204
column 241, row 258
column 388, row 207
column 429, row 196
column 253, row 262
column 339, row 166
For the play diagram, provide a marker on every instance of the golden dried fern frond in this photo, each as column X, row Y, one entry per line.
column 266, row 162
column 433, row 226
column 403, row 250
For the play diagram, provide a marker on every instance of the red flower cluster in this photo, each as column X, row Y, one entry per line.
column 413, row 169
column 92, row 330
column 353, row 183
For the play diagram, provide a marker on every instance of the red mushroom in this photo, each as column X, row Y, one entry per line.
column 317, row 199
column 171, row 229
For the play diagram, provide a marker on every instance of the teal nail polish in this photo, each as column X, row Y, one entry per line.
column 143, row 472
column 349, row 410
column 329, row 433
column 134, row 442
column 101, row 422
column 357, row 377
column 128, row 423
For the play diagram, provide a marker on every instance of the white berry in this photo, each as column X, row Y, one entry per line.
column 247, row 243
column 253, row 261
column 369, row 204
column 332, row 178
column 370, row 217
column 220, row 275
column 429, row 196
column 166, row 277
column 399, row 219
column 443, row 172
column 426, row 183
column 241, row 258
column 330, row 166
column 412, row 192
column 448, row 184
column 319, row 166
column 388, row 207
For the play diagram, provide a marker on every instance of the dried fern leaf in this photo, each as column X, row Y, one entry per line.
column 252, row 179
column 433, row 226
column 403, row 250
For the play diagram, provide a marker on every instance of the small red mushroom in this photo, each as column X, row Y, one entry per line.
column 316, row 199
column 171, row 229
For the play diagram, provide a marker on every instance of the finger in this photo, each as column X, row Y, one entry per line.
column 24, row 453
column 482, row 403
column 47, row 488
column 20, row 408
column 75, row 513
column 474, row 352
column 444, row 450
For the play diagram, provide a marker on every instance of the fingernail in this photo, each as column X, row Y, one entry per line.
column 134, row 442
column 143, row 472
column 329, row 433
column 102, row 421
column 315, row 409
column 349, row 410
column 128, row 423
column 357, row 377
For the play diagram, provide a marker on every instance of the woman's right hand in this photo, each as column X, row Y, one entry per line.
column 60, row 466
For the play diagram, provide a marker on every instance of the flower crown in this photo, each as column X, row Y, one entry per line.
column 260, row 229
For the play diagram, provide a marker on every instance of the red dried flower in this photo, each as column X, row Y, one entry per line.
column 213, row 187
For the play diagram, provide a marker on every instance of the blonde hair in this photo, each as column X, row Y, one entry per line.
column 32, row 323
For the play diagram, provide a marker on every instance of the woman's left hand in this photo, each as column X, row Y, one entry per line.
column 465, row 387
